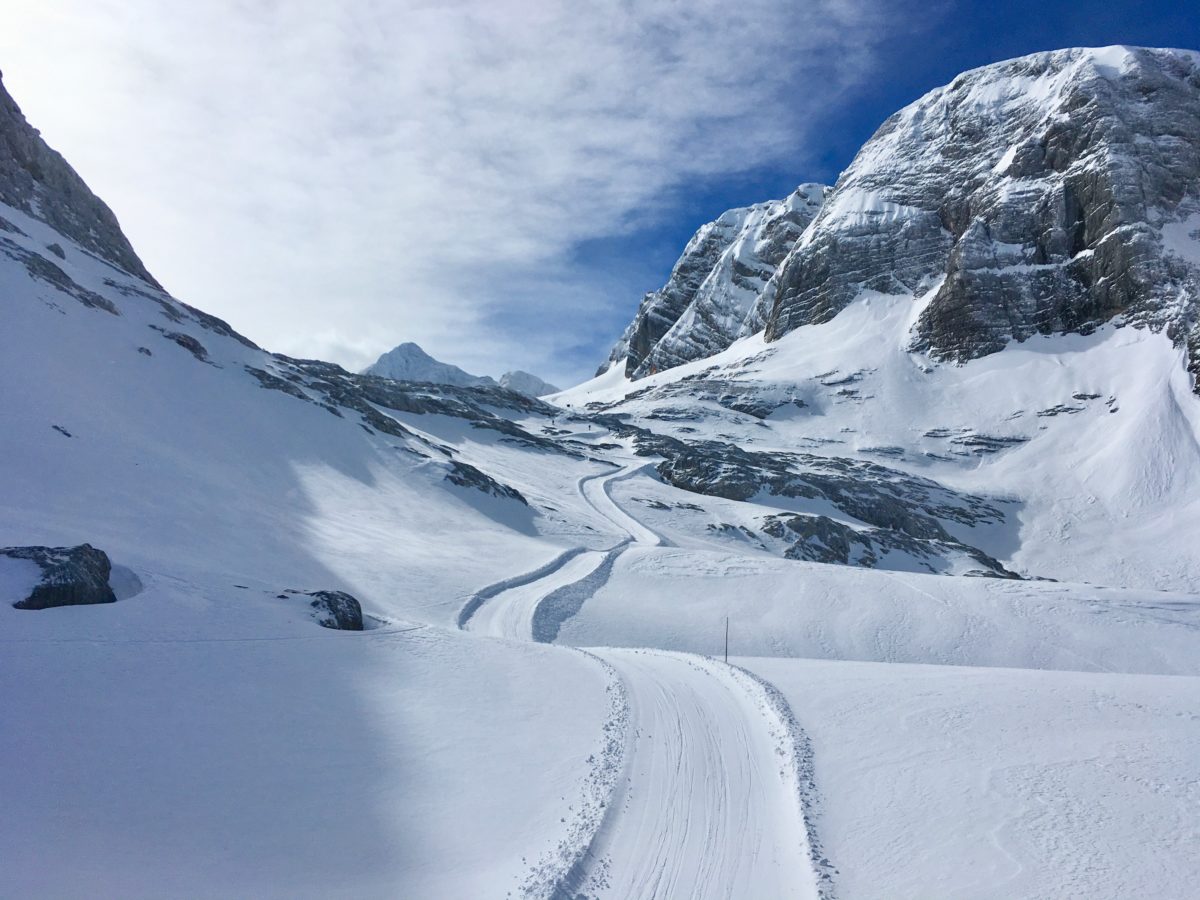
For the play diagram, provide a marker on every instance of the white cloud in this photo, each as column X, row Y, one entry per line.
column 336, row 178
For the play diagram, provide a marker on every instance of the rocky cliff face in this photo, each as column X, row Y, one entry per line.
column 525, row 383
column 1046, row 194
column 704, row 305
column 37, row 181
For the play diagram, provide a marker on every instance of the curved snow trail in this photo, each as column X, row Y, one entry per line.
column 510, row 613
column 706, row 807
column 714, row 782
column 595, row 491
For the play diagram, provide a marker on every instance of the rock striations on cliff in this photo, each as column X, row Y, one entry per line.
column 714, row 286
column 36, row 180
column 1046, row 194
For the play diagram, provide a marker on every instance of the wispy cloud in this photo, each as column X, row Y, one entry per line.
column 334, row 178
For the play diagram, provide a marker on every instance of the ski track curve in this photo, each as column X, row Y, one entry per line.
column 703, row 787
column 705, row 807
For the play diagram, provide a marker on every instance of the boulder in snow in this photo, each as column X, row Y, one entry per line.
column 71, row 576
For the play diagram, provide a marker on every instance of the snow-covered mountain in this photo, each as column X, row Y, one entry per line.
column 949, row 578
column 527, row 384
column 1042, row 195
column 713, row 287
column 1044, row 210
column 408, row 362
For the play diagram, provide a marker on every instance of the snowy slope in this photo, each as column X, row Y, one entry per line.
column 1088, row 445
column 302, row 763
column 715, row 284
column 836, row 495
column 1000, row 784
column 202, row 736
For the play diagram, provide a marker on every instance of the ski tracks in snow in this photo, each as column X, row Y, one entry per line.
column 702, row 787
column 707, row 806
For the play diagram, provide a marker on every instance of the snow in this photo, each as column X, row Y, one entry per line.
column 882, row 732
column 1006, row 159
column 1183, row 237
column 702, row 812
column 1085, row 490
column 295, row 765
column 940, row 781
column 679, row 599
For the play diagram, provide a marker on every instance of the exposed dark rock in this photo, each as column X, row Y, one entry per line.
column 186, row 341
column 71, row 576
column 43, row 269
column 465, row 475
column 331, row 609
column 703, row 306
column 1030, row 195
column 39, row 182
column 824, row 540
column 57, row 250
column 980, row 444
column 61, row 430
column 337, row 609
column 1059, row 410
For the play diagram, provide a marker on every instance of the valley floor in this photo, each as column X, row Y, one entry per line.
column 239, row 749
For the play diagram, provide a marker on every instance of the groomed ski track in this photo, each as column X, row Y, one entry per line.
column 708, row 800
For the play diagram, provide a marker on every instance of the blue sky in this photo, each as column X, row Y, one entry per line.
column 498, row 180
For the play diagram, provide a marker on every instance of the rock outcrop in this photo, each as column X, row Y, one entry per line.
column 38, row 181
column 714, row 286
column 71, row 576
column 331, row 609
column 336, row 609
column 1046, row 194
column 527, row 384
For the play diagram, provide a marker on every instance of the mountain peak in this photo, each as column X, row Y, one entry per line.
column 525, row 383
column 706, row 302
column 409, row 362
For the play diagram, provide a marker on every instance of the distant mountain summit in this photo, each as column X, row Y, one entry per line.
column 524, row 383
column 408, row 362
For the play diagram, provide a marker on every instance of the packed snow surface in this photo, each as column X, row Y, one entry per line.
column 539, row 705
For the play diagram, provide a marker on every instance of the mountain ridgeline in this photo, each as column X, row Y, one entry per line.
column 408, row 362
column 1047, row 194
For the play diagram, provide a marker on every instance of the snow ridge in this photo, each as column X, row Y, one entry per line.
column 485, row 594
column 560, row 604
column 573, row 871
column 796, row 748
